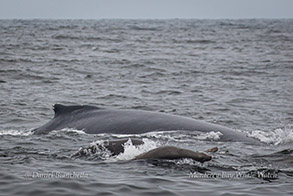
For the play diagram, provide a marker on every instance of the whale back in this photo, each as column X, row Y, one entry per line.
column 60, row 109
column 95, row 120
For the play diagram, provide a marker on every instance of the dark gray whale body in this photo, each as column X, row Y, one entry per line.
column 95, row 120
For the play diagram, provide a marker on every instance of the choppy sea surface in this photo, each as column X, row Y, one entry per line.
column 236, row 73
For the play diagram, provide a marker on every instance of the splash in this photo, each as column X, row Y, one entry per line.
column 131, row 151
column 275, row 137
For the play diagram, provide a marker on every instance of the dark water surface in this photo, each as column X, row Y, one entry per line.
column 236, row 73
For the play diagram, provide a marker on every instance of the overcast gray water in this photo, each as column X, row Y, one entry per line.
column 236, row 73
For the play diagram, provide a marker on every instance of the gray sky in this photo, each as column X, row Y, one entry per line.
column 137, row 9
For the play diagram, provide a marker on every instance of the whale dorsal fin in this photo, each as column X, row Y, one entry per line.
column 60, row 109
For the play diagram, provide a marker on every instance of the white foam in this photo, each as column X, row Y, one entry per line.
column 68, row 130
column 276, row 137
column 16, row 132
column 155, row 134
column 97, row 142
column 209, row 136
column 94, row 148
column 176, row 136
column 183, row 136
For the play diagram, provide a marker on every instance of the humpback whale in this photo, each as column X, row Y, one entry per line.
column 95, row 120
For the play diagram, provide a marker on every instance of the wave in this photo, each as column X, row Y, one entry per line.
column 14, row 132
column 140, row 28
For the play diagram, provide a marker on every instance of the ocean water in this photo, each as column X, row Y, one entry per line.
column 236, row 73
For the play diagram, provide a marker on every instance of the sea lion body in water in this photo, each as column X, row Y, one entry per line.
column 172, row 152
column 164, row 152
